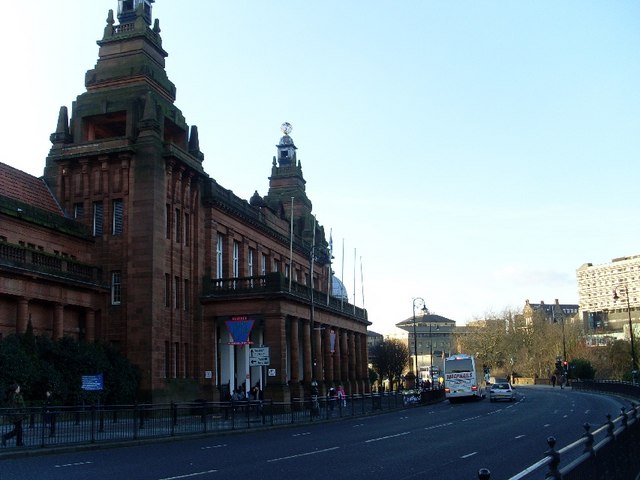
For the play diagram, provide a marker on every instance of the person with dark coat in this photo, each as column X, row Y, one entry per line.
column 15, row 416
column 49, row 413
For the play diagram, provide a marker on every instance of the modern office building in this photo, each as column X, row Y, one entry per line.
column 609, row 297
column 128, row 241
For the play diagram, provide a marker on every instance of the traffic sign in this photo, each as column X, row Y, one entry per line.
column 259, row 356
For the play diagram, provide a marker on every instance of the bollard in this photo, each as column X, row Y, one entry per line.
column 555, row 460
column 588, row 445
column 484, row 474
column 610, row 426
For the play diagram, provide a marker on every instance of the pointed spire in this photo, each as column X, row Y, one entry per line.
column 194, row 144
column 108, row 29
column 149, row 119
column 62, row 134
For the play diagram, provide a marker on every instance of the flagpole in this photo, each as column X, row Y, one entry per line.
column 291, row 247
column 354, row 281
column 362, row 282
column 330, row 275
column 342, row 278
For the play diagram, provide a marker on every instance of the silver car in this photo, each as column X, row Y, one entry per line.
column 501, row 391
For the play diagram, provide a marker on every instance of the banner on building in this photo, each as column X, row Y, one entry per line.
column 239, row 328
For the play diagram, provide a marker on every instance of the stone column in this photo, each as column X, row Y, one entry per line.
column 275, row 337
column 344, row 356
column 295, row 351
column 337, row 359
column 23, row 315
column 90, row 325
column 328, row 356
column 306, row 345
column 58, row 321
column 352, row 357
column 317, row 352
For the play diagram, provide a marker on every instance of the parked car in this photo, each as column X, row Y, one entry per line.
column 501, row 391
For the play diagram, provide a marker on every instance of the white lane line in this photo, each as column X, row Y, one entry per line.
column 520, row 436
column 387, row 437
column 77, row 464
column 547, row 425
column 213, row 446
column 438, row 426
column 469, row 455
column 302, row 454
column 301, row 434
column 471, row 418
column 189, row 475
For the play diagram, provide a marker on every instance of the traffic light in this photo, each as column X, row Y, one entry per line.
column 565, row 366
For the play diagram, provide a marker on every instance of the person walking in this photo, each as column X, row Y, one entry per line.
column 15, row 416
column 342, row 396
column 49, row 413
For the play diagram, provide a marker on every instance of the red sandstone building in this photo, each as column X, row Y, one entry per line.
column 127, row 240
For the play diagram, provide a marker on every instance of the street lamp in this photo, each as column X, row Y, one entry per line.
column 431, row 349
column 634, row 363
column 312, row 258
column 417, row 302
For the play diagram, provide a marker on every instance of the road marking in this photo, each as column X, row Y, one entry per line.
column 438, row 426
column 469, row 455
column 77, row 464
column 387, row 437
column 189, row 475
column 301, row 434
column 302, row 454
column 358, row 425
column 520, row 436
column 547, row 425
column 214, row 446
column 471, row 418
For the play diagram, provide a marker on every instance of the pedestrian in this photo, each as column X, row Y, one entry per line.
column 563, row 380
column 342, row 396
column 16, row 415
column 332, row 396
column 553, row 380
column 257, row 396
column 49, row 413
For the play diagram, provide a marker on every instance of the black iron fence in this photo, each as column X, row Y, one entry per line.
column 67, row 426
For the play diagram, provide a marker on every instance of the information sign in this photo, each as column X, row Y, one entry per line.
column 259, row 357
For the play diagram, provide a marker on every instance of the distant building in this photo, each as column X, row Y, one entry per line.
column 609, row 294
column 551, row 312
column 433, row 339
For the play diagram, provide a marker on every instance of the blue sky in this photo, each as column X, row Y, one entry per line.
column 472, row 153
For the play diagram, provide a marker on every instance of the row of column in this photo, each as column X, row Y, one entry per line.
column 346, row 364
column 57, row 330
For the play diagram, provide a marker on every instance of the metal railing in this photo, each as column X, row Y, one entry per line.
column 608, row 452
column 86, row 425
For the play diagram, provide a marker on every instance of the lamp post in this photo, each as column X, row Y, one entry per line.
column 634, row 363
column 418, row 301
column 431, row 349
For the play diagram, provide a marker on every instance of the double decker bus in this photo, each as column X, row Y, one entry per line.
column 461, row 378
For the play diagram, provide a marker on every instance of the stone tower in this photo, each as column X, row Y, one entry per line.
column 127, row 166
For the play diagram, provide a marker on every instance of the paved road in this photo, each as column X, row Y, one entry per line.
column 441, row 441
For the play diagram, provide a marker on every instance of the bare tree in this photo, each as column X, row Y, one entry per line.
column 389, row 359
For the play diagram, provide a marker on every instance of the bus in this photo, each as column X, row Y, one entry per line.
column 430, row 373
column 461, row 378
